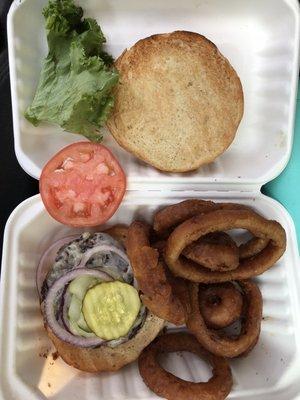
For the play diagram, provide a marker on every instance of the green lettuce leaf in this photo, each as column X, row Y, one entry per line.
column 77, row 78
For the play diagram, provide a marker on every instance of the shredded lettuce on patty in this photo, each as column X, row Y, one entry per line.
column 77, row 78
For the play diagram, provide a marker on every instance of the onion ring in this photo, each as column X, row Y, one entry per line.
column 159, row 246
column 166, row 219
column 171, row 387
column 151, row 275
column 220, row 305
column 221, row 344
column 215, row 251
column 118, row 232
column 252, row 247
column 173, row 215
column 196, row 227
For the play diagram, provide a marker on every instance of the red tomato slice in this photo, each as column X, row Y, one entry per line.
column 82, row 185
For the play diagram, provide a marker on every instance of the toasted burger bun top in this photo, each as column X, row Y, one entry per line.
column 178, row 103
column 105, row 358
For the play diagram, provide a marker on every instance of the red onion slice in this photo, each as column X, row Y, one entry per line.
column 49, row 312
column 48, row 258
column 65, row 308
column 101, row 248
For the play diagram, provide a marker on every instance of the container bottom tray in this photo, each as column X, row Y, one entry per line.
column 27, row 359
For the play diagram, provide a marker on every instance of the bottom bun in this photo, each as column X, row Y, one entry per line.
column 105, row 358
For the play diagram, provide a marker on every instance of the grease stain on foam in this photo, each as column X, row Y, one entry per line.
column 55, row 374
column 44, row 352
column 281, row 140
column 267, row 318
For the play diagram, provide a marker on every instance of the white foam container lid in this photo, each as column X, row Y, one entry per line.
column 261, row 40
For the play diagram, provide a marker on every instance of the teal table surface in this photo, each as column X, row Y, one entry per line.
column 286, row 187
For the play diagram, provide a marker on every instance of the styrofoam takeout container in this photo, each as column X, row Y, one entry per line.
column 270, row 372
column 261, row 40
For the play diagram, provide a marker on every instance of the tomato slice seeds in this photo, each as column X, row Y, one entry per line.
column 82, row 185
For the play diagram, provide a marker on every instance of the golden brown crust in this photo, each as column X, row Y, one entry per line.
column 170, row 216
column 220, row 304
column 118, row 232
column 166, row 220
column 178, row 103
column 104, row 358
column 222, row 220
column 216, row 251
column 252, row 247
column 158, row 292
column 221, row 344
column 169, row 386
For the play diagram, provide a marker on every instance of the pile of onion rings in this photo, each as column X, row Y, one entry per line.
column 192, row 272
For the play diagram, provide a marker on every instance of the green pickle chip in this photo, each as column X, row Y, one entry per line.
column 111, row 308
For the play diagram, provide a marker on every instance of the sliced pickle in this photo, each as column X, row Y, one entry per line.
column 76, row 330
column 80, row 285
column 78, row 288
column 82, row 323
column 74, row 309
column 110, row 309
